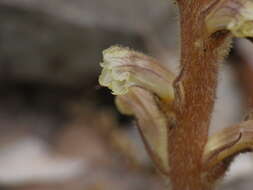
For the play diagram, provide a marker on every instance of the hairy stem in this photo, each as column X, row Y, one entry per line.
column 200, row 55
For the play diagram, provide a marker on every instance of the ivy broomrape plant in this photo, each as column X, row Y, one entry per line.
column 173, row 112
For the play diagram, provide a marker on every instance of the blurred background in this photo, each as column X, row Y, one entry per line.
column 59, row 129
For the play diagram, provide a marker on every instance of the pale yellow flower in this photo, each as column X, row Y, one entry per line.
column 124, row 68
column 235, row 16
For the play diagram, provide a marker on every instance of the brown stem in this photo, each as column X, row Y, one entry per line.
column 200, row 55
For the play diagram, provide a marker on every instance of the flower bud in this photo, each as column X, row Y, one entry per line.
column 228, row 143
column 235, row 16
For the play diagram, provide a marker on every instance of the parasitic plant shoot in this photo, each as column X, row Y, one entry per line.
column 173, row 112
